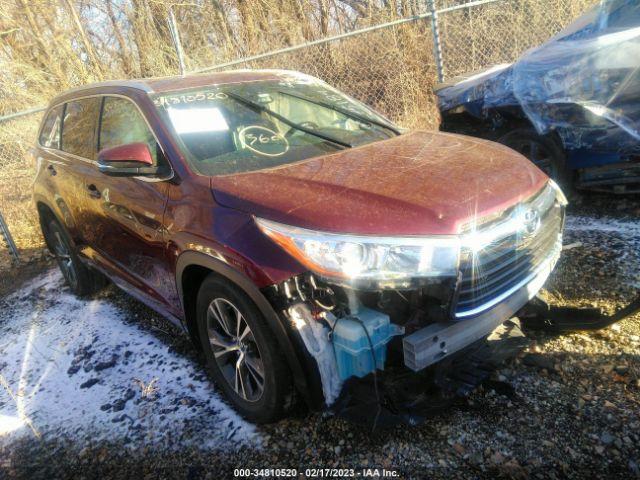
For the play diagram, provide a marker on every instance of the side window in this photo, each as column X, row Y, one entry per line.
column 123, row 123
column 50, row 133
column 79, row 126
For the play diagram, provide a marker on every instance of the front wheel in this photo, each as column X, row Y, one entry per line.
column 241, row 352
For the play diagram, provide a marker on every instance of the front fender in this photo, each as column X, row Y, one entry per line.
column 282, row 332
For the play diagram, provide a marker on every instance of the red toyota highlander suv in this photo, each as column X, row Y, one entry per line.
column 302, row 240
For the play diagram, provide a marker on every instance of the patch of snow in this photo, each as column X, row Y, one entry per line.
column 627, row 227
column 75, row 368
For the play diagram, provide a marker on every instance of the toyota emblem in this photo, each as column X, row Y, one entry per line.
column 531, row 221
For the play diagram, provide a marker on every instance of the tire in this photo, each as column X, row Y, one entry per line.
column 231, row 353
column 79, row 277
column 543, row 151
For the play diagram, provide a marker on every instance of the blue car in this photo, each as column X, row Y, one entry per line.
column 571, row 105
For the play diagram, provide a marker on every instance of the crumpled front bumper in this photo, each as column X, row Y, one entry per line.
column 439, row 340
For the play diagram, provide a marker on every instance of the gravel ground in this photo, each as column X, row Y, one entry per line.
column 576, row 413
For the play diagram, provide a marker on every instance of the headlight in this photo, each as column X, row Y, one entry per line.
column 361, row 257
column 393, row 261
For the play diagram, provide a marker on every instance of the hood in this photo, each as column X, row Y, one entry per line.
column 478, row 91
column 419, row 183
column 472, row 78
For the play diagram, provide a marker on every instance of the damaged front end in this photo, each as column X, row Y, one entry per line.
column 404, row 326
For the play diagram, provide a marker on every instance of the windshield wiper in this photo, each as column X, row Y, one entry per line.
column 346, row 113
column 283, row 119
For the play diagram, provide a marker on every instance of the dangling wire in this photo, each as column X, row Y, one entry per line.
column 375, row 374
column 373, row 357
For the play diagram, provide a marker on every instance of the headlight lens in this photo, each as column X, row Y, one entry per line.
column 357, row 257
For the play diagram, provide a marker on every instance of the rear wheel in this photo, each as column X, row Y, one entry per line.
column 543, row 151
column 242, row 355
column 81, row 279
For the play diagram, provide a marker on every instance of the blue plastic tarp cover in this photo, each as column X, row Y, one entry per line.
column 583, row 83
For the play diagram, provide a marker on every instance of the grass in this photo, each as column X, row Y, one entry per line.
column 16, row 177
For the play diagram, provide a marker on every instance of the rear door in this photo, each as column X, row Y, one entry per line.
column 127, row 228
column 67, row 142
column 49, row 160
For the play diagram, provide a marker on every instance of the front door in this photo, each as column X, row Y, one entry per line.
column 128, row 230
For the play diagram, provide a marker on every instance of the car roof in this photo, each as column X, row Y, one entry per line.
column 181, row 82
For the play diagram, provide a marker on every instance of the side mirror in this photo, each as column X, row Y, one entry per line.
column 129, row 160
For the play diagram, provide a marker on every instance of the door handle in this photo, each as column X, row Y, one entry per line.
column 52, row 170
column 93, row 191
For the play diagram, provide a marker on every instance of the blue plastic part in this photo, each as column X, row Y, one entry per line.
column 352, row 347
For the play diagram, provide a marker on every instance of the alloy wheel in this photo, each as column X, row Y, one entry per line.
column 235, row 349
column 65, row 261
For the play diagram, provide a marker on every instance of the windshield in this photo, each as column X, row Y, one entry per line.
column 244, row 127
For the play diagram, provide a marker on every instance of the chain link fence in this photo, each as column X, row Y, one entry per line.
column 392, row 70
column 17, row 136
column 499, row 32
column 392, row 67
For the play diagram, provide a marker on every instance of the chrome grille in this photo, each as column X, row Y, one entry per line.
column 491, row 272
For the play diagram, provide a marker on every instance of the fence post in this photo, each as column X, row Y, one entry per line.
column 175, row 36
column 8, row 240
column 435, row 31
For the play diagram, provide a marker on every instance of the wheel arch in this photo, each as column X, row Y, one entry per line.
column 192, row 268
column 45, row 215
column 514, row 118
column 552, row 142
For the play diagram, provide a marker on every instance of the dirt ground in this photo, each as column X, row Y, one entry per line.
column 575, row 412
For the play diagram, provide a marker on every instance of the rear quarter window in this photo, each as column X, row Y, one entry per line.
column 79, row 127
column 50, row 133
